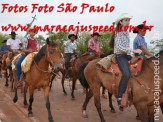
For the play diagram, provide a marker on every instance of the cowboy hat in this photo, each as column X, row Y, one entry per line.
column 123, row 16
column 141, row 26
column 32, row 29
column 13, row 33
column 4, row 41
column 95, row 34
column 70, row 35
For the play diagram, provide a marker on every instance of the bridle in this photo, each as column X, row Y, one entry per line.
column 51, row 62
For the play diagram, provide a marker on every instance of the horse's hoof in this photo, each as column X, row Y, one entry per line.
column 51, row 120
column 6, row 85
column 121, row 108
column 65, row 94
column 113, row 111
column 105, row 96
column 84, row 114
column 73, row 98
column 138, row 117
column 15, row 99
column 30, row 114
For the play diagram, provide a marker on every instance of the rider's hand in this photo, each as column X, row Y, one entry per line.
column 137, row 51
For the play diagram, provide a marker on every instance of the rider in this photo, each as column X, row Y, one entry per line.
column 4, row 47
column 94, row 45
column 139, row 43
column 30, row 45
column 69, row 48
column 13, row 43
column 121, row 43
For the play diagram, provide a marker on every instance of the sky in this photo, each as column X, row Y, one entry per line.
column 141, row 10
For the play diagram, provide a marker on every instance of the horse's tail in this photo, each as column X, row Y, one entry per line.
column 81, row 76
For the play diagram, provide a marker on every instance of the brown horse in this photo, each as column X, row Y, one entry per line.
column 143, row 98
column 7, row 71
column 73, row 70
column 39, row 75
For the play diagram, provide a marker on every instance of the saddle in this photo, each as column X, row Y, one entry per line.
column 134, row 64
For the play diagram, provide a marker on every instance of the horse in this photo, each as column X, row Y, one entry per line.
column 142, row 87
column 6, row 60
column 39, row 75
column 73, row 71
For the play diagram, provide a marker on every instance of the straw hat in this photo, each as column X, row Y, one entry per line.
column 123, row 16
column 32, row 29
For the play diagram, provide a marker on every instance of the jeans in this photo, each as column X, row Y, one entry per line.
column 67, row 60
column 18, row 66
column 122, row 61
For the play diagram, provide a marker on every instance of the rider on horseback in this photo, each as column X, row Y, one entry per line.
column 30, row 45
column 139, row 43
column 121, row 43
column 13, row 43
column 4, row 48
column 94, row 46
column 69, row 48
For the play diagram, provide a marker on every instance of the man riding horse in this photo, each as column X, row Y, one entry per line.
column 70, row 49
column 30, row 45
column 139, row 43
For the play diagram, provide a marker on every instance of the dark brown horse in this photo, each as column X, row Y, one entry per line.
column 73, row 71
column 39, row 75
column 143, row 98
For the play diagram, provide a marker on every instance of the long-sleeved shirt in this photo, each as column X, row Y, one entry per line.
column 122, row 42
column 93, row 45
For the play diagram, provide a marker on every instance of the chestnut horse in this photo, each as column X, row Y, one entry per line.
column 39, row 75
column 143, row 96
column 6, row 60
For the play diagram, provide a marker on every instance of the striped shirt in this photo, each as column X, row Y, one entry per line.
column 122, row 42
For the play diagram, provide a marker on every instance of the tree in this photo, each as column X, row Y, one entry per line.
column 41, row 41
column 158, row 44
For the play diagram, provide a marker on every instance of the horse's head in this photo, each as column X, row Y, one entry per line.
column 53, row 54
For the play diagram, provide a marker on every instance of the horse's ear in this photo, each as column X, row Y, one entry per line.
column 48, row 41
column 57, row 41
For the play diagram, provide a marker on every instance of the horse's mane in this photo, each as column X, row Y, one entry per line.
column 42, row 52
column 81, row 56
column 153, row 57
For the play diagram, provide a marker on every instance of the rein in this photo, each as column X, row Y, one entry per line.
column 46, row 71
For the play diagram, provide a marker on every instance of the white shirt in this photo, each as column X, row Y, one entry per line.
column 14, row 44
column 70, row 46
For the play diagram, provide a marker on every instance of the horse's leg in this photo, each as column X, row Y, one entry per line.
column 103, row 92
column 6, row 76
column 25, row 97
column 51, row 81
column 16, row 96
column 96, row 94
column 46, row 94
column 161, row 105
column 89, row 94
column 63, row 80
column 143, row 112
column 151, row 113
column 73, row 87
column 110, row 103
column 30, row 113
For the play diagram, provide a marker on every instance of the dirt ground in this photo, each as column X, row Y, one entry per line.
column 63, row 108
